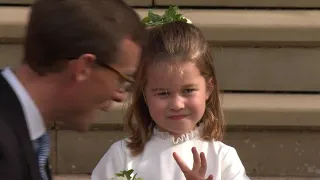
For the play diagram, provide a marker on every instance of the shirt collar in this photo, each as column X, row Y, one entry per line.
column 32, row 114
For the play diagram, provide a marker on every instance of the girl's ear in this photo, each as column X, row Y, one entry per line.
column 209, row 88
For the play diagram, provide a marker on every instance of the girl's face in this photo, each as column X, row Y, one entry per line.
column 176, row 96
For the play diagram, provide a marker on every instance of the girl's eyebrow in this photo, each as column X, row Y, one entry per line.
column 189, row 85
column 158, row 89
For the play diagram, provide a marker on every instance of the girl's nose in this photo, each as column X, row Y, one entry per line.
column 177, row 104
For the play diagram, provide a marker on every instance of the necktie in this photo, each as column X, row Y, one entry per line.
column 42, row 148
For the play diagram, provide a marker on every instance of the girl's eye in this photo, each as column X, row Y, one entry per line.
column 188, row 91
column 164, row 93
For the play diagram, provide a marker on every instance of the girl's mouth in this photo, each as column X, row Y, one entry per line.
column 177, row 117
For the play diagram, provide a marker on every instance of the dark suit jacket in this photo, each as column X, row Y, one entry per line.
column 17, row 156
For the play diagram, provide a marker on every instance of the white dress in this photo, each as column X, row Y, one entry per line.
column 157, row 163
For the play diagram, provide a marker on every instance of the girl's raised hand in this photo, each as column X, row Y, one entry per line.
column 199, row 166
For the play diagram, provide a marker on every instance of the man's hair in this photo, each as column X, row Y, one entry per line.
column 62, row 30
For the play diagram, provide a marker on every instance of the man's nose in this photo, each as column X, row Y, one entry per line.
column 119, row 96
column 106, row 105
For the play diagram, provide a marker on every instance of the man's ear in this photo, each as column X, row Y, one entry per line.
column 209, row 88
column 82, row 67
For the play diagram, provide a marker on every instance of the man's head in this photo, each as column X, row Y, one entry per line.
column 92, row 48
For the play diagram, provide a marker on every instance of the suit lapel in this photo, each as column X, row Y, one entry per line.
column 10, row 108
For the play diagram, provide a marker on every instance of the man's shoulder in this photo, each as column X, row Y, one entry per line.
column 5, row 88
column 9, row 150
column 5, row 129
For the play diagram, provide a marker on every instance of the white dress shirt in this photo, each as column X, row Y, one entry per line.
column 32, row 114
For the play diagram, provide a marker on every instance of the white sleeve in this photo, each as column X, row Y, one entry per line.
column 233, row 168
column 111, row 163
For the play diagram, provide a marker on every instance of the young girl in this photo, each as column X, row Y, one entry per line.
column 175, row 108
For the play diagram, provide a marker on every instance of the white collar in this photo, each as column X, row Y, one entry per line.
column 32, row 114
column 183, row 138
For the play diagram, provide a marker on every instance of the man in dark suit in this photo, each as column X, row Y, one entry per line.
column 78, row 55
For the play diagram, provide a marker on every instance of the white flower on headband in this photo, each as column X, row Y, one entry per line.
column 188, row 21
column 170, row 15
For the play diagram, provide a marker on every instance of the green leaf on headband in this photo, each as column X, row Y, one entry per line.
column 154, row 17
column 170, row 15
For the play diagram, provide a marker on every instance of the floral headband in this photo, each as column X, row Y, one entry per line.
column 170, row 15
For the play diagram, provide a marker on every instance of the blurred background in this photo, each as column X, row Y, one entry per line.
column 267, row 57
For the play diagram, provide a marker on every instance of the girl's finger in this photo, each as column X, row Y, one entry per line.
column 203, row 168
column 184, row 168
column 210, row 177
column 196, row 159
